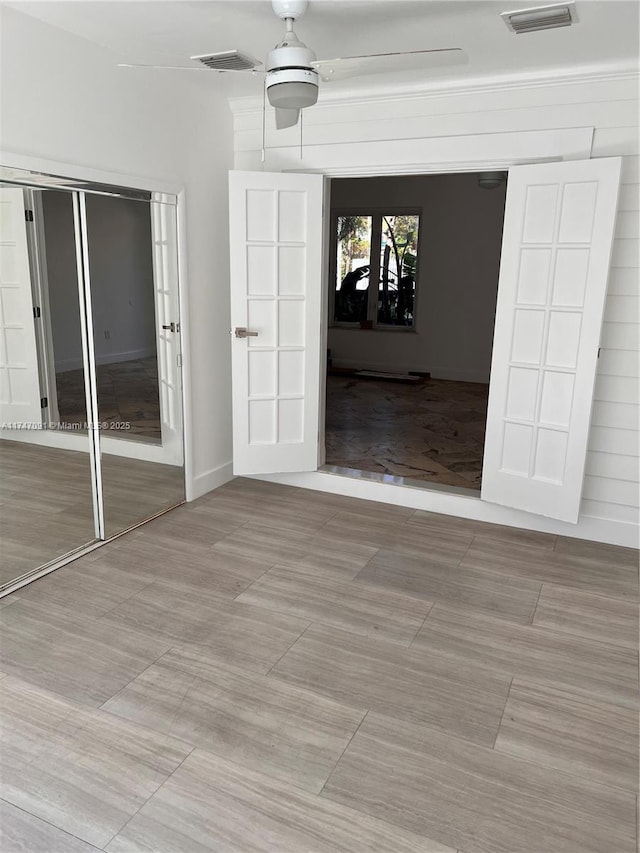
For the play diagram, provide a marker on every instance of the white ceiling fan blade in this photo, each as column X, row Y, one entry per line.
column 189, row 68
column 286, row 118
column 384, row 63
column 162, row 67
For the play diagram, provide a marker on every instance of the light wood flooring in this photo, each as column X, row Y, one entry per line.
column 431, row 432
column 46, row 503
column 271, row 669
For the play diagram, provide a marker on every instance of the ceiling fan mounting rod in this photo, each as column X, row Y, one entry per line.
column 286, row 9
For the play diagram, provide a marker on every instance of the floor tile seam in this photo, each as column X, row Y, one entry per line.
column 142, row 805
column 47, row 822
column 609, row 598
column 504, row 708
column 371, row 588
column 339, row 759
column 535, row 608
column 493, row 573
column 299, row 637
column 497, row 783
column 252, row 582
column 547, row 682
column 505, row 540
column 410, row 646
column 620, row 790
column 549, row 633
column 135, row 677
column 124, row 600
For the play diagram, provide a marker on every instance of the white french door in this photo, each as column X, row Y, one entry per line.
column 276, row 288
column 19, row 380
column 168, row 338
column 557, row 238
column 556, row 248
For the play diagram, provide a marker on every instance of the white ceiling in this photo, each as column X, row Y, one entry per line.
column 168, row 32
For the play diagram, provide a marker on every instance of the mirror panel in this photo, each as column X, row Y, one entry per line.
column 134, row 294
column 46, row 494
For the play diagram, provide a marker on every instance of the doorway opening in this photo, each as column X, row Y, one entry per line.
column 413, row 276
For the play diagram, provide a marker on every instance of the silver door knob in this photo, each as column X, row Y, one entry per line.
column 245, row 333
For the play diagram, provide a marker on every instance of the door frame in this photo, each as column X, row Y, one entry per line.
column 14, row 160
column 443, row 155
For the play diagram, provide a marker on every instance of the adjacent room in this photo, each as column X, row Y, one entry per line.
column 409, row 360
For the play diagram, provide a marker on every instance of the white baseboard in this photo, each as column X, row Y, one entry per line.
column 68, row 364
column 210, row 480
column 436, row 372
column 458, row 375
column 463, row 506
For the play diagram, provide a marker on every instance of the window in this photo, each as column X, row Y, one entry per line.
column 382, row 248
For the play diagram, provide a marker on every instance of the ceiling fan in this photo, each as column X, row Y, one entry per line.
column 293, row 74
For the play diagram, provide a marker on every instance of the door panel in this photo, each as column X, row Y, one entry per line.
column 19, row 380
column 168, row 341
column 557, row 239
column 276, row 275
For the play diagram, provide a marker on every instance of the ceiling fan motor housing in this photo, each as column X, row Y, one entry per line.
column 292, row 82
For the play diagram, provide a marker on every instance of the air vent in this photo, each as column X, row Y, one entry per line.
column 540, row 18
column 227, row 60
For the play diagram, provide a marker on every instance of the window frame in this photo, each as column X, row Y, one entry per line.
column 376, row 213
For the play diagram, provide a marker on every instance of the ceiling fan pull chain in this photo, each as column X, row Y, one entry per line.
column 264, row 109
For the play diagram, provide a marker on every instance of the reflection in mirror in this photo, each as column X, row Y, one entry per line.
column 47, row 499
column 133, row 274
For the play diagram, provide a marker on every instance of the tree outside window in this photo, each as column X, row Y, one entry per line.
column 394, row 268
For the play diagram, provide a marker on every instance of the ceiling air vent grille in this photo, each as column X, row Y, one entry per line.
column 540, row 18
column 227, row 60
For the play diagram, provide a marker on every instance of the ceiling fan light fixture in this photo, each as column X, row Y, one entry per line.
column 293, row 94
column 541, row 18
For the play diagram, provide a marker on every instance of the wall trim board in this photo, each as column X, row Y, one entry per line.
column 461, row 505
column 613, row 72
column 210, row 480
column 424, row 155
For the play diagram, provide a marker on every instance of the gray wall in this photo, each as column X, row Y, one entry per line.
column 459, row 260
column 121, row 269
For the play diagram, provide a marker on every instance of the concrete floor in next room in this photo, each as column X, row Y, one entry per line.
column 272, row 669
column 431, row 431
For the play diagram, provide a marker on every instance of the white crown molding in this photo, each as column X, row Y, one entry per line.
column 503, row 82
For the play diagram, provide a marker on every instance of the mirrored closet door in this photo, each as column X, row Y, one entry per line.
column 91, row 439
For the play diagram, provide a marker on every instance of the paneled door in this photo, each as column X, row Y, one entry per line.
column 276, row 288
column 556, row 249
column 168, row 340
column 19, row 380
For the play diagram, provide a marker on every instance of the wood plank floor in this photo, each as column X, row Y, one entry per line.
column 272, row 669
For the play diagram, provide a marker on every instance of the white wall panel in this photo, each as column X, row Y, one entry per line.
column 617, row 415
column 617, row 466
column 602, row 439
